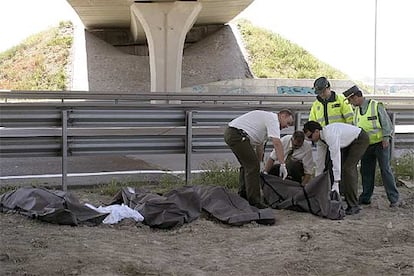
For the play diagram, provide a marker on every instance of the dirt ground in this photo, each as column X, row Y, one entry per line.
column 378, row 241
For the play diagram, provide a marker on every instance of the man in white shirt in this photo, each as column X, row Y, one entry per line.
column 246, row 136
column 337, row 137
column 298, row 158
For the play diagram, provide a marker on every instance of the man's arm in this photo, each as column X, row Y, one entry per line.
column 386, row 125
column 308, row 163
column 260, row 152
column 277, row 144
column 334, row 147
column 270, row 161
column 306, row 179
column 269, row 164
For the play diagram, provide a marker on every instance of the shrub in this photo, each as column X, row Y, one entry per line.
column 403, row 166
column 219, row 174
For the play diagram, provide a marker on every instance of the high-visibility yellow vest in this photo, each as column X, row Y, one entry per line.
column 337, row 111
column 370, row 122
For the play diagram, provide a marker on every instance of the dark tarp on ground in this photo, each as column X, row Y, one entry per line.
column 173, row 209
column 230, row 208
column 50, row 206
column 185, row 204
column 161, row 211
column 315, row 197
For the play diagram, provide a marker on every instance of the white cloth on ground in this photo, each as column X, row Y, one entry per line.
column 117, row 213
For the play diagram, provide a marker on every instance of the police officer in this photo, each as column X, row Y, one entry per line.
column 329, row 107
column 372, row 117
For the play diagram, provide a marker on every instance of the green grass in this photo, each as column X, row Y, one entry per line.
column 7, row 188
column 39, row 62
column 219, row 174
column 224, row 174
column 272, row 56
column 403, row 166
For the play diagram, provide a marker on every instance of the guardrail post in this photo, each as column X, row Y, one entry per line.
column 188, row 145
column 64, row 148
column 392, row 144
column 298, row 119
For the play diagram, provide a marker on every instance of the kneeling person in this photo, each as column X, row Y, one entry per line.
column 298, row 158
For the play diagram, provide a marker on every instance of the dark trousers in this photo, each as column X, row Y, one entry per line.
column 294, row 168
column 240, row 145
column 373, row 154
column 349, row 172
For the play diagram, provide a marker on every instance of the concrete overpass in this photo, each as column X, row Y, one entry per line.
column 165, row 25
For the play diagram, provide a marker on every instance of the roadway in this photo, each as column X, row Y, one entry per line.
column 91, row 170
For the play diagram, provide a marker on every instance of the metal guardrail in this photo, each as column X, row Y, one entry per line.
column 124, row 125
column 300, row 102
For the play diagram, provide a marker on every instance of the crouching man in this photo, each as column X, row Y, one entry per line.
column 246, row 136
column 298, row 158
column 330, row 141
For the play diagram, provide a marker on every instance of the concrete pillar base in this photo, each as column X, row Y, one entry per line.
column 166, row 25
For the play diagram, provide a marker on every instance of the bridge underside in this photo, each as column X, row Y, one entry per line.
column 163, row 24
column 116, row 14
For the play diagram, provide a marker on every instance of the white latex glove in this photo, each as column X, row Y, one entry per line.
column 262, row 166
column 283, row 173
column 335, row 187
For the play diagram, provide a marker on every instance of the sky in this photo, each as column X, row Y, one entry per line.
column 338, row 32
column 22, row 18
column 342, row 32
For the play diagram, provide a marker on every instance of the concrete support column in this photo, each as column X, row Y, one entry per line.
column 166, row 25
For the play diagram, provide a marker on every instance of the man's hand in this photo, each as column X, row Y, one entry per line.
column 262, row 166
column 283, row 173
column 335, row 187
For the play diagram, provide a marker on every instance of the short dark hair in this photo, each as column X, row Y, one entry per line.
column 312, row 126
column 298, row 135
column 287, row 112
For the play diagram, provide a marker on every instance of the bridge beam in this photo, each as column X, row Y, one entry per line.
column 166, row 25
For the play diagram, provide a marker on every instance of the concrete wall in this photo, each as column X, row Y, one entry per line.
column 213, row 62
column 124, row 67
column 262, row 86
column 109, row 69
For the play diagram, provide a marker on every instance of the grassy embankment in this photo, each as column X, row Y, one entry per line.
column 39, row 62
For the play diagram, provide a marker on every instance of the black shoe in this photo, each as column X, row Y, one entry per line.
column 395, row 204
column 364, row 202
column 260, row 205
column 352, row 210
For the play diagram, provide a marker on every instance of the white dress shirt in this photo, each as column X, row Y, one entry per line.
column 336, row 136
column 259, row 125
column 304, row 153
